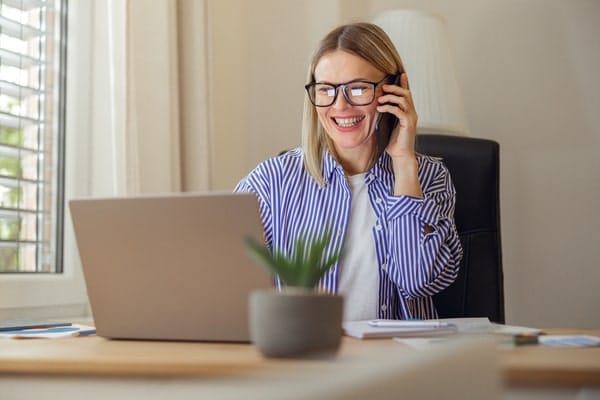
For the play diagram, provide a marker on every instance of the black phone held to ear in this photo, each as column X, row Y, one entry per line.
column 385, row 124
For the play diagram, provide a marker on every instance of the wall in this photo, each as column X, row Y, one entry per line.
column 259, row 58
column 528, row 71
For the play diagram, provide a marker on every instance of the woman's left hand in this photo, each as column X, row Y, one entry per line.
column 402, row 140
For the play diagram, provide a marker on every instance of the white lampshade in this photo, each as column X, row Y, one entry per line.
column 422, row 41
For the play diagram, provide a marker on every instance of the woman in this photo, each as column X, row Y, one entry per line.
column 392, row 210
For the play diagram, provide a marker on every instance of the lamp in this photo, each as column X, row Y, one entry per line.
column 422, row 41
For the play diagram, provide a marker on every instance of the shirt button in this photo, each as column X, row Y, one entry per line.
column 378, row 227
column 384, row 267
column 383, row 307
column 378, row 200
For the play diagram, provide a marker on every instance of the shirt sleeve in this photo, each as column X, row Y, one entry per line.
column 425, row 264
column 257, row 182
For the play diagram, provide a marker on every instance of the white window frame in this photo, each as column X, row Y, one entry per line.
column 63, row 294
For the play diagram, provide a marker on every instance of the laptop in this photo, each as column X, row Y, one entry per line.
column 170, row 267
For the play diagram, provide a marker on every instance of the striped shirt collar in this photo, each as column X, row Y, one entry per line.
column 382, row 170
column 330, row 165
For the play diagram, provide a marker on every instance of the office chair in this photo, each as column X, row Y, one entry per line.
column 474, row 167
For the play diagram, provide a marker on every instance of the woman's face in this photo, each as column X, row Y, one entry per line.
column 349, row 127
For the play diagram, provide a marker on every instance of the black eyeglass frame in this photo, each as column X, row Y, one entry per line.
column 307, row 87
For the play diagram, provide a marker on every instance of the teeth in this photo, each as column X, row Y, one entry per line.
column 348, row 122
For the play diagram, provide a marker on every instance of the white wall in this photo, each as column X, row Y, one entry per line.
column 529, row 75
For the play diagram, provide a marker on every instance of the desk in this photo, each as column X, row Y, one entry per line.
column 95, row 357
column 100, row 369
column 535, row 366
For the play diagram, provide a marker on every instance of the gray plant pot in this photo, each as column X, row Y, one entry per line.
column 295, row 322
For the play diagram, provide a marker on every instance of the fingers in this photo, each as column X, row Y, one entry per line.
column 400, row 106
column 404, row 81
column 399, row 95
column 396, row 101
column 396, row 90
column 401, row 89
column 400, row 111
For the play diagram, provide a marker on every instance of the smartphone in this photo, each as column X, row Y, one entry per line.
column 385, row 124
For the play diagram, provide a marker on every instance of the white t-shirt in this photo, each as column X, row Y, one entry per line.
column 359, row 275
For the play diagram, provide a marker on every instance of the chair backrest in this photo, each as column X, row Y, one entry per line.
column 474, row 167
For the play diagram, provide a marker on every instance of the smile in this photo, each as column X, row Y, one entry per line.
column 348, row 122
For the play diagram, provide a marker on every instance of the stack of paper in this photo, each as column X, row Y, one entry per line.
column 397, row 328
column 427, row 328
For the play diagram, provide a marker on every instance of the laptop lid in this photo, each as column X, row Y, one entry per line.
column 170, row 267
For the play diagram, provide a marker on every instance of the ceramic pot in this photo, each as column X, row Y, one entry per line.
column 295, row 322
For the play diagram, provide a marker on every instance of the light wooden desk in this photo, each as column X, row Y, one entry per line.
column 381, row 369
column 525, row 366
column 552, row 367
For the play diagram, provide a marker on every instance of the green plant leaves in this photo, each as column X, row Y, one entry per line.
column 305, row 267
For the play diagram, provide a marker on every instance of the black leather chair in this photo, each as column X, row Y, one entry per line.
column 474, row 167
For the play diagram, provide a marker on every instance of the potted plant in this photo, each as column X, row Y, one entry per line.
column 296, row 320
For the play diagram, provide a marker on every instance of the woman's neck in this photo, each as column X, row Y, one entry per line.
column 354, row 162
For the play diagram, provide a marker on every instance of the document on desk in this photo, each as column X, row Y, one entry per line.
column 19, row 324
column 569, row 340
column 56, row 332
column 397, row 328
column 439, row 327
column 482, row 325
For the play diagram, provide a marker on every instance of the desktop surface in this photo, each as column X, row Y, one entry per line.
column 122, row 369
column 96, row 356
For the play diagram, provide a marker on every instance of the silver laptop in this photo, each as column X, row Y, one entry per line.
column 171, row 267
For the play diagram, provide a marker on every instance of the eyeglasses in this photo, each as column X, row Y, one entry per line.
column 356, row 93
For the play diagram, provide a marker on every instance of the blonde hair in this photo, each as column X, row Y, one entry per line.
column 364, row 40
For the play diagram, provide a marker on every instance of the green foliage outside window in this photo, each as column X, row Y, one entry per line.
column 10, row 228
column 10, row 198
column 10, row 167
column 12, row 136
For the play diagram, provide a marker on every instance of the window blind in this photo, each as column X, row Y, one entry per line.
column 32, row 55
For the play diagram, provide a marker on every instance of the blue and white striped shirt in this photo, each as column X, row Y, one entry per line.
column 413, row 266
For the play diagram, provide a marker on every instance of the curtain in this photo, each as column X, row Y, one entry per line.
column 150, row 107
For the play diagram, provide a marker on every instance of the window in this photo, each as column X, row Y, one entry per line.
column 32, row 63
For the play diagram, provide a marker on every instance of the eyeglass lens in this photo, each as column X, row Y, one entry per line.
column 356, row 93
